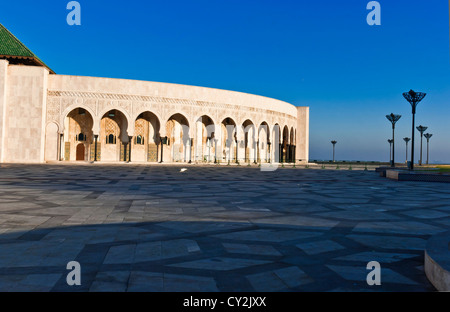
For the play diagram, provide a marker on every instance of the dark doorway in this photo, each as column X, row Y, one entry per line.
column 80, row 152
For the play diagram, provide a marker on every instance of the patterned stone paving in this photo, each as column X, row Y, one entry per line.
column 213, row 228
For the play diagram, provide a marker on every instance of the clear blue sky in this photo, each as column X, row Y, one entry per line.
column 317, row 53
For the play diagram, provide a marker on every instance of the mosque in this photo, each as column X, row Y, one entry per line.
column 46, row 117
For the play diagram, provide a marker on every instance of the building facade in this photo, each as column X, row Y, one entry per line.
column 45, row 117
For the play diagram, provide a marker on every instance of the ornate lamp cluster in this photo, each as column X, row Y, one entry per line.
column 414, row 98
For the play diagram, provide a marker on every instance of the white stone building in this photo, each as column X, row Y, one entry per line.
column 49, row 117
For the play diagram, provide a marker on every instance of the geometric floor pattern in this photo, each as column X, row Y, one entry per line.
column 154, row 228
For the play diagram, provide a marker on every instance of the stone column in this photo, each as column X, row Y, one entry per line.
column 125, row 148
column 240, row 151
column 162, row 135
column 276, row 145
column 302, row 136
column 198, row 136
column 258, row 152
column 60, row 145
column 270, row 159
column 130, row 140
column 208, row 145
column 281, row 152
column 215, row 150
column 95, row 148
column 295, row 153
column 3, row 105
column 289, row 153
column 191, row 146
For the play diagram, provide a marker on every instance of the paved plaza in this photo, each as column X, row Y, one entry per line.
column 213, row 228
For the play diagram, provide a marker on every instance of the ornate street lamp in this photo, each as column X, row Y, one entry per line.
column 413, row 98
column 407, row 141
column 421, row 129
column 334, row 149
column 390, row 141
column 428, row 137
column 393, row 119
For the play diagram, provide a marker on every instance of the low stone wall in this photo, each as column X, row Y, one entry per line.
column 437, row 261
column 402, row 175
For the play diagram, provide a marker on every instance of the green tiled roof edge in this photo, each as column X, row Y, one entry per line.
column 11, row 46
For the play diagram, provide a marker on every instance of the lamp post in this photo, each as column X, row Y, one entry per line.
column 407, row 141
column 390, row 141
column 428, row 137
column 413, row 98
column 334, row 147
column 393, row 119
column 421, row 129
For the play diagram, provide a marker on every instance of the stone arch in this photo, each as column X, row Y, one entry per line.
column 249, row 120
column 206, row 115
column 264, row 125
column 114, row 136
column 205, row 138
column 128, row 119
column 58, row 124
column 263, row 140
column 71, row 108
column 285, row 144
column 52, row 141
column 276, row 139
column 78, row 129
column 249, row 140
column 123, row 122
column 170, row 114
column 140, row 112
column 229, row 129
column 177, row 129
column 292, row 146
column 156, row 123
column 147, row 137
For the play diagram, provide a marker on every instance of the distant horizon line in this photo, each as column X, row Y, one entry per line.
column 439, row 162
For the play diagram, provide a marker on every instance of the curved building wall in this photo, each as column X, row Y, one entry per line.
column 103, row 119
column 164, row 99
